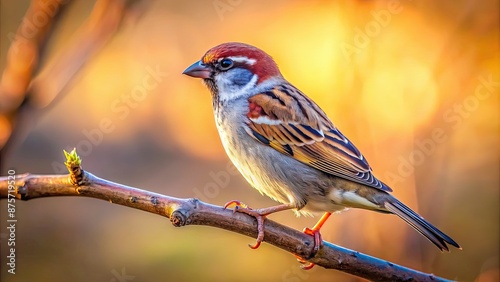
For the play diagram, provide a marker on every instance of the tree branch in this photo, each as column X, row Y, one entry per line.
column 22, row 95
column 183, row 212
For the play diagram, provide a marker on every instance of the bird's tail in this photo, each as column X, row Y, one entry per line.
column 434, row 235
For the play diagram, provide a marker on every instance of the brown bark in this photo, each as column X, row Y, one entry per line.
column 182, row 212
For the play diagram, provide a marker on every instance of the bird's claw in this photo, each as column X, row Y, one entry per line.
column 237, row 205
column 243, row 208
column 317, row 240
column 305, row 264
column 260, row 215
column 317, row 243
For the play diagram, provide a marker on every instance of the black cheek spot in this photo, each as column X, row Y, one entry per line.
column 242, row 77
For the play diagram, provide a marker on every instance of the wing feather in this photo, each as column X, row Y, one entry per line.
column 276, row 119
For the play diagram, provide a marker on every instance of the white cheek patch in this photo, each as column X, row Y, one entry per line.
column 228, row 91
column 242, row 59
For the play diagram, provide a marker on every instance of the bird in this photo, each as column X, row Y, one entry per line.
column 287, row 148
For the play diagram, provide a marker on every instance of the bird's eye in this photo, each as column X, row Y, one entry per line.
column 225, row 64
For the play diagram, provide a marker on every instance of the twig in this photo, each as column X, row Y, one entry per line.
column 24, row 96
column 22, row 61
column 183, row 212
column 23, row 55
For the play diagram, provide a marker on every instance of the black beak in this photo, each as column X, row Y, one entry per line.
column 198, row 70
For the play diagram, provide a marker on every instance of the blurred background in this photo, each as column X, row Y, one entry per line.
column 414, row 84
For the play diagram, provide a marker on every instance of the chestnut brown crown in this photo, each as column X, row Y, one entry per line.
column 244, row 55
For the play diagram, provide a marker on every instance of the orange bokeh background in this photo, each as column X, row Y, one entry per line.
column 414, row 84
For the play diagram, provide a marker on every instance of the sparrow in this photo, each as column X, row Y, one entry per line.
column 286, row 147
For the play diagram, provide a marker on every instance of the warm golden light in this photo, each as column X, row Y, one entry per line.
column 414, row 84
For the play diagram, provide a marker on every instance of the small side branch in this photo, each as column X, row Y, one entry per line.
column 183, row 212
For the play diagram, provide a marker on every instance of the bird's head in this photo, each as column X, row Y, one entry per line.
column 231, row 70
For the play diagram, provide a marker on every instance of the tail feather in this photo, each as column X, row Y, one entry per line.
column 434, row 235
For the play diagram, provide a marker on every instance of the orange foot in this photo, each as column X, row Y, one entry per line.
column 317, row 241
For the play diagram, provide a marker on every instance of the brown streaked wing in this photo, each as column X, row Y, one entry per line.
column 306, row 134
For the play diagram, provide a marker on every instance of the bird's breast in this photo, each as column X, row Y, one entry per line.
column 273, row 174
column 252, row 159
